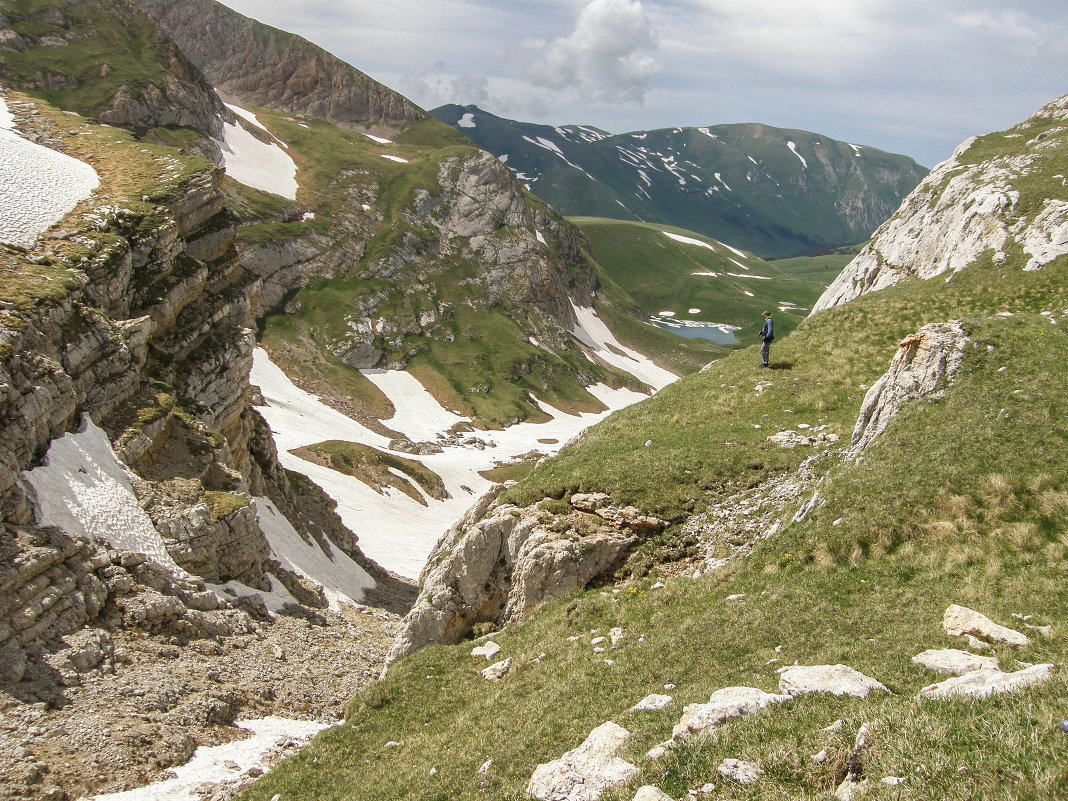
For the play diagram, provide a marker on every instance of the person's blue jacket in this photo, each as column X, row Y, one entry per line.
column 768, row 332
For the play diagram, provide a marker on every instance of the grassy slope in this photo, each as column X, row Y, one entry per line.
column 657, row 272
column 979, row 520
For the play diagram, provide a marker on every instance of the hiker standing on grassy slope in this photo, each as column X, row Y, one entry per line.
column 767, row 333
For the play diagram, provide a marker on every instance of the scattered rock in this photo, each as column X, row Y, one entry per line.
column 658, row 586
column 893, row 781
column 976, row 644
column 745, row 773
column 723, row 706
column 959, row 620
column 954, row 662
column 586, row 772
column 835, row 727
column 590, row 502
column 486, row 651
column 736, row 597
column 485, row 768
column 616, row 635
column 598, row 641
column 821, row 757
column 650, row 793
column 652, row 703
column 985, row 683
column 838, row 680
column 850, row 789
column 498, row 670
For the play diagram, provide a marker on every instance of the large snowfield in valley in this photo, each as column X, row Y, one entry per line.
column 393, row 529
column 38, row 186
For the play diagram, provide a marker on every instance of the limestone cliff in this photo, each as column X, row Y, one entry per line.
column 1000, row 196
column 267, row 67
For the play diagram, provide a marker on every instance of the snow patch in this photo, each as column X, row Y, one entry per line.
column 693, row 311
column 378, row 139
column 592, row 332
column 398, row 159
column 856, row 149
column 396, row 531
column 541, row 238
column 418, row 414
column 254, row 163
column 38, row 186
column 342, row 579
column 688, row 240
column 738, row 263
column 793, row 149
column 743, row 275
column 720, row 179
column 84, row 490
column 248, row 116
column 466, row 121
column 735, row 251
column 209, row 763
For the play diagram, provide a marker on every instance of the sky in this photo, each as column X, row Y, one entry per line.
column 907, row 76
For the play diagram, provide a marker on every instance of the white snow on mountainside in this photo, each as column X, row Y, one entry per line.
column 255, row 163
column 393, row 529
column 83, row 490
column 38, row 186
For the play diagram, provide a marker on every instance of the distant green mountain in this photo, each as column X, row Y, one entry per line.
column 772, row 191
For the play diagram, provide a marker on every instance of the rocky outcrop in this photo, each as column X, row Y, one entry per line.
column 968, row 207
column 164, row 89
column 838, row 680
column 923, row 364
column 587, row 772
column 497, row 564
column 264, row 66
column 960, row 621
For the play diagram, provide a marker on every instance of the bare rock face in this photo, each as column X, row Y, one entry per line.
column 964, row 209
column 918, row 368
column 587, row 772
column 496, row 565
column 268, row 67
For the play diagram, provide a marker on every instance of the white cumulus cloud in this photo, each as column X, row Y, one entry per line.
column 608, row 56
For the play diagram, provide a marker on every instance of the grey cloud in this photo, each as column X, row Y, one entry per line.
column 606, row 57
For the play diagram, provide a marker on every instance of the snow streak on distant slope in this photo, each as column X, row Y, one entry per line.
column 258, row 164
column 83, row 490
column 793, row 149
column 342, row 580
column 466, row 121
column 393, row 529
column 591, row 331
column 38, row 186
column 688, row 240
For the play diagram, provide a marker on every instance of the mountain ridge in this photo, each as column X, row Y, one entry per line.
column 775, row 192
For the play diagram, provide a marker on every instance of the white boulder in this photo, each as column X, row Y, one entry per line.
column 586, row 772
column 498, row 670
column 960, row 620
column 744, row 773
column 985, row 683
column 652, row 703
column 486, row 651
column 954, row 662
column 838, row 680
column 723, row 706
